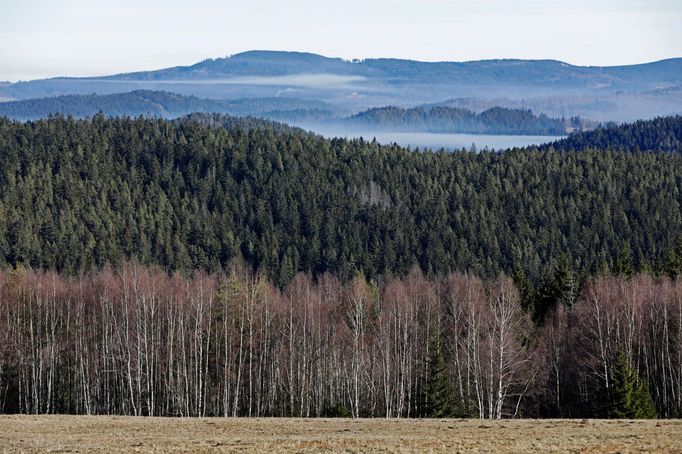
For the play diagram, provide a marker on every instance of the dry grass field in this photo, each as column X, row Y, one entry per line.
column 127, row 434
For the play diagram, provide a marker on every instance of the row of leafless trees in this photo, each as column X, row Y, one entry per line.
column 137, row 341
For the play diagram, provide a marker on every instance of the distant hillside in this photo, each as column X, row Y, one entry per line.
column 141, row 102
column 620, row 106
column 659, row 134
column 351, row 86
column 162, row 104
column 496, row 120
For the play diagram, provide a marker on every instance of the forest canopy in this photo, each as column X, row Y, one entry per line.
column 192, row 194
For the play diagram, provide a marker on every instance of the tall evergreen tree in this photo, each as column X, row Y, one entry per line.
column 628, row 396
column 561, row 287
column 623, row 265
column 526, row 289
column 438, row 392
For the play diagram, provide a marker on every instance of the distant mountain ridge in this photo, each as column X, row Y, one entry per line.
column 275, row 63
column 347, row 86
column 342, row 87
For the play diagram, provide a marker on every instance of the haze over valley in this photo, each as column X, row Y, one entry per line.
column 332, row 95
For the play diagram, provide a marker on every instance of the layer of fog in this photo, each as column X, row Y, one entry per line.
column 437, row 141
column 334, row 81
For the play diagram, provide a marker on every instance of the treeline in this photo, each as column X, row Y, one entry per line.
column 140, row 342
column 443, row 119
column 244, row 124
column 192, row 194
column 660, row 134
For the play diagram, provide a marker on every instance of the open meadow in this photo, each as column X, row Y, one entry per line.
column 125, row 434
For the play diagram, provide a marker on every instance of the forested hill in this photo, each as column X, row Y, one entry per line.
column 497, row 120
column 162, row 104
column 135, row 103
column 186, row 195
column 659, row 134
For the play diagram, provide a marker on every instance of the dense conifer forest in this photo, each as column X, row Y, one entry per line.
column 222, row 266
column 192, row 194
column 659, row 134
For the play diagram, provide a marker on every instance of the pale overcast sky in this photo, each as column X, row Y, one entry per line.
column 43, row 38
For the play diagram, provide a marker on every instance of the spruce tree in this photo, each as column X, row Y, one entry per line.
column 628, row 396
column 623, row 265
column 526, row 289
column 561, row 287
column 438, row 391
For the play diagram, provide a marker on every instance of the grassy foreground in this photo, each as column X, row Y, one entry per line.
column 125, row 434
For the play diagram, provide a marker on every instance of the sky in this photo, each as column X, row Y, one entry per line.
column 45, row 38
